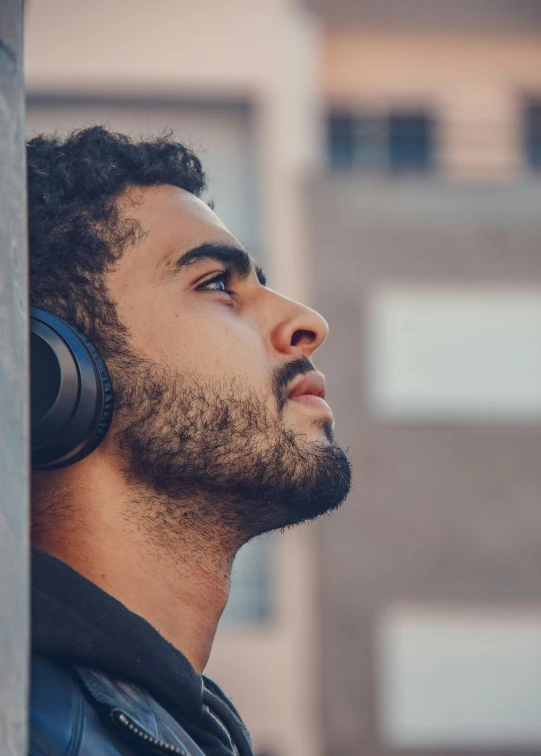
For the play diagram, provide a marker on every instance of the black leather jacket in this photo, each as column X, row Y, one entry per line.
column 104, row 682
column 81, row 712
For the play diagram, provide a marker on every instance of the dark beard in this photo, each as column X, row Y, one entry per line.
column 216, row 459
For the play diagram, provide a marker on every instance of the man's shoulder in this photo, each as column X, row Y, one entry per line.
column 74, row 710
column 54, row 699
column 61, row 719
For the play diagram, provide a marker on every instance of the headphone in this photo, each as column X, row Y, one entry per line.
column 71, row 392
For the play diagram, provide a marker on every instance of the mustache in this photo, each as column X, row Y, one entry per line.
column 283, row 375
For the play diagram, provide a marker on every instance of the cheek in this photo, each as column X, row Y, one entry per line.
column 216, row 348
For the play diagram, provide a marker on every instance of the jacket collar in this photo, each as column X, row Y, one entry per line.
column 75, row 621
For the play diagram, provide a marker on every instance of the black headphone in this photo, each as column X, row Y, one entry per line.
column 71, row 392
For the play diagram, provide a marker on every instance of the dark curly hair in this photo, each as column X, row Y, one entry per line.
column 75, row 230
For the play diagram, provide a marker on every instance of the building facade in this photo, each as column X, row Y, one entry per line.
column 430, row 203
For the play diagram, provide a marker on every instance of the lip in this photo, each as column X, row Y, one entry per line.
column 312, row 383
column 310, row 391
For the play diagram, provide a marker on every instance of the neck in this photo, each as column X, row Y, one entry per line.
column 179, row 584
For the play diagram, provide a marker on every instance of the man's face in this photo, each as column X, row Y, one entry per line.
column 207, row 410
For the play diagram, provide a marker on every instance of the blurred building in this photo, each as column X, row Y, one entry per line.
column 382, row 158
column 426, row 233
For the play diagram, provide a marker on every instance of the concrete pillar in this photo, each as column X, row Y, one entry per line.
column 14, row 412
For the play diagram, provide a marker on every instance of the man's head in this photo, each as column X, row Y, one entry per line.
column 205, row 359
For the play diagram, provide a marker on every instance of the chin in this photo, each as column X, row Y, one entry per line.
column 315, row 428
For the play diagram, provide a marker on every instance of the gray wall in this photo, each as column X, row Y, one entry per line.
column 418, row 15
column 439, row 512
column 13, row 389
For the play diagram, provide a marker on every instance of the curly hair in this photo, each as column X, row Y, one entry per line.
column 76, row 232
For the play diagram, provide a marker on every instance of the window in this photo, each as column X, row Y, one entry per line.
column 410, row 141
column 533, row 134
column 454, row 354
column 397, row 142
column 459, row 678
column 221, row 134
column 342, row 138
column 250, row 598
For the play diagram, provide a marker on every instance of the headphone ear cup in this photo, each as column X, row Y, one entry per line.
column 72, row 392
column 108, row 399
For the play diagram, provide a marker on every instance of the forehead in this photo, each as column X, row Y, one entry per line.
column 171, row 221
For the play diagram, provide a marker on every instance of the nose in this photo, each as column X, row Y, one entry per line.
column 299, row 330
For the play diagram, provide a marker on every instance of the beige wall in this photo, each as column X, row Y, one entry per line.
column 474, row 84
column 264, row 53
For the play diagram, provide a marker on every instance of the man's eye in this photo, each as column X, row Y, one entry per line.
column 219, row 283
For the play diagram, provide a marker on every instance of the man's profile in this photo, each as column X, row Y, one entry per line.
column 220, row 433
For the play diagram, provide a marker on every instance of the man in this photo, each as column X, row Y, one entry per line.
column 220, row 433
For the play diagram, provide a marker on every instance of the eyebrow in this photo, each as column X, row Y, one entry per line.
column 236, row 259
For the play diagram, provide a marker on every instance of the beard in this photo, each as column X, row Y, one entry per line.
column 214, row 457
